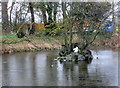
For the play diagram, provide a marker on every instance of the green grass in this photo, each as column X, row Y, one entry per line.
column 12, row 39
column 8, row 36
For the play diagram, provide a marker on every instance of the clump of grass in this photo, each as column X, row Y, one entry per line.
column 9, row 36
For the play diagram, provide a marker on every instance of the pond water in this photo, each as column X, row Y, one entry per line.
column 40, row 69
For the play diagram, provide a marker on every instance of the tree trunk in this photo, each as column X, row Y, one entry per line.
column 11, row 25
column 64, row 17
column 49, row 11
column 32, row 31
column 43, row 10
column 113, row 18
column 64, row 11
column 55, row 10
column 5, row 23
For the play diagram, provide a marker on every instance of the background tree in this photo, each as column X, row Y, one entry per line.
column 49, row 11
column 5, row 22
column 11, row 25
column 43, row 10
column 64, row 10
column 32, row 18
column 55, row 4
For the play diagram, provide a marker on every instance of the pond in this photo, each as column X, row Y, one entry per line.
column 40, row 69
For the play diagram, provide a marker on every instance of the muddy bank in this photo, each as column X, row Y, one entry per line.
column 113, row 42
column 55, row 44
column 12, row 48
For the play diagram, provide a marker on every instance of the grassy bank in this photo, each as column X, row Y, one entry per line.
column 10, row 43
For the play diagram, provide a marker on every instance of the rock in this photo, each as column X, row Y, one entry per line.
column 81, row 58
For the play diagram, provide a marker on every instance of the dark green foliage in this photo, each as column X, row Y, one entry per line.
column 64, row 51
column 32, row 31
column 20, row 34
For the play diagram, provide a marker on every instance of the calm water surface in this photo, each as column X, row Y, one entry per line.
column 40, row 69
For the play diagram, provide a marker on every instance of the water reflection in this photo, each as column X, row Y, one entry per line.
column 40, row 69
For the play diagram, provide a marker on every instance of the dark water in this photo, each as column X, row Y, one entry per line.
column 39, row 69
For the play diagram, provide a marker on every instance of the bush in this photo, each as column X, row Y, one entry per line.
column 41, row 33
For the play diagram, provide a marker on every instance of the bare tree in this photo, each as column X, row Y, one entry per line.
column 43, row 10
column 32, row 18
column 91, row 13
column 11, row 11
column 49, row 11
column 5, row 23
column 55, row 10
column 64, row 10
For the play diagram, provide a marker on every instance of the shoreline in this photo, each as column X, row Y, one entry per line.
column 11, row 48
column 15, row 48
column 31, row 44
